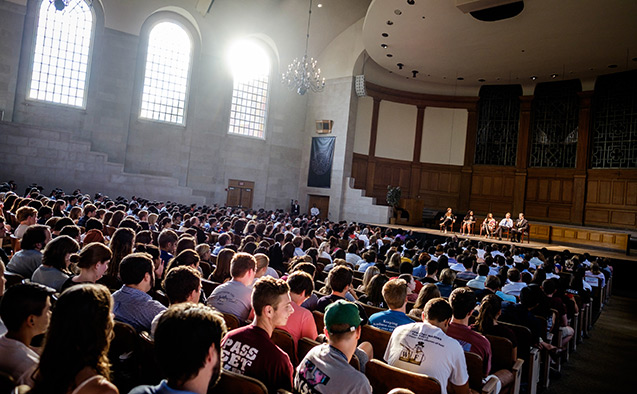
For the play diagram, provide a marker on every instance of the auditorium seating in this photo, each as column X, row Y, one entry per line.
column 284, row 340
column 383, row 378
column 230, row 382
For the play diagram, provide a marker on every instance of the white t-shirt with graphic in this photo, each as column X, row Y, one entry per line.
column 426, row 349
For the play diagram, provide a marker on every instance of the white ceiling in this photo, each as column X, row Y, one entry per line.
column 570, row 38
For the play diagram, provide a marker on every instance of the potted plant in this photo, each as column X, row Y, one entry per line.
column 393, row 199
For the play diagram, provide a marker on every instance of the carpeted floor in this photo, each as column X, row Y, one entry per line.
column 606, row 362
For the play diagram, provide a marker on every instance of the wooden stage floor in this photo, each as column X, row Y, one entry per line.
column 556, row 247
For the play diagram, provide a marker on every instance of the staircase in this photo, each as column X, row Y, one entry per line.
column 53, row 159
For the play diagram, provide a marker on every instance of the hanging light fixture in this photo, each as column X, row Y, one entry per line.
column 60, row 5
column 304, row 75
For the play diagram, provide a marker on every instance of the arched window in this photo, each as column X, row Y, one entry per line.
column 166, row 73
column 250, row 65
column 61, row 56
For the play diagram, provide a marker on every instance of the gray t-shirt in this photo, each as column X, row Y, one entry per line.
column 25, row 262
column 50, row 276
column 232, row 297
column 326, row 370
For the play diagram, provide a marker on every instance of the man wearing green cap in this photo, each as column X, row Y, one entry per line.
column 326, row 368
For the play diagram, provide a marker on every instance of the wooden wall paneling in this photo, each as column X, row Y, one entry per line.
column 359, row 170
column 611, row 199
column 492, row 190
column 522, row 158
column 414, row 183
column 582, row 159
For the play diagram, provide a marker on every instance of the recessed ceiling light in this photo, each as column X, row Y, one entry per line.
column 460, row 79
column 481, row 80
column 398, row 12
column 400, row 66
column 383, row 45
column 522, row 50
column 319, row 5
column 612, row 66
column 411, row 2
column 533, row 77
column 385, row 35
column 423, row 17
column 414, row 73
column 553, row 76
column 389, row 23
column 390, row 55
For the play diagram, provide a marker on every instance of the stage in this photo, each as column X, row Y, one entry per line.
column 534, row 244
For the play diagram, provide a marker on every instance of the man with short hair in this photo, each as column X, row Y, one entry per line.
column 181, row 284
column 167, row 241
column 27, row 216
column 340, row 280
column 425, row 348
column 463, row 301
column 505, row 224
column 222, row 241
column 519, row 227
column 234, row 296
column 478, row 281
column 514, row 284
column 132, row 304
column 249, row 350
column 187, row 348
column 89, row 211
column 25, row 310
column 29, row 258
column 395, row 295
column 301, row 322
column 325, row 368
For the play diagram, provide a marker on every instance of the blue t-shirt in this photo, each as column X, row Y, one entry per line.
column 388, row 320
column 161, row 388
column 420, row 271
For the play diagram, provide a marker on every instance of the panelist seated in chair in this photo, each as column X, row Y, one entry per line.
column 488, row 225
column 467, row 223
column 447, row 220
column 519, row 227
column 505, row 224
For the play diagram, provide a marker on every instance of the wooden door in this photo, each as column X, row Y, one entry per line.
column 239, row 193
column 322, row 203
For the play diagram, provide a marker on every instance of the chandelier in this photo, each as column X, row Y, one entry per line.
column 304, row 75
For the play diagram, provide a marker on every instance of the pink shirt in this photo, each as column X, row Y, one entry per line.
column 301, row 324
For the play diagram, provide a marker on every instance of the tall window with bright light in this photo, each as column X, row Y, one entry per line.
column 250, row 65
column 166, row 74
column 61, row 55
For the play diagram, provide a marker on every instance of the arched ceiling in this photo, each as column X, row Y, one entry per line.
column 569, row 38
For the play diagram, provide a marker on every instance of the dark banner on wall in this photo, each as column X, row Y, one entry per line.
column 321, row 162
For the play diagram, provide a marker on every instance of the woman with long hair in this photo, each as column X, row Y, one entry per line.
column 488, row 225
column 75, row 355
column 186, row 257
column 56, row 258
column 121, row 245
column 487, row 321
column 447, row 220
column 427, row 292
column 221, row 273
column 374, row 292
column 93, row 263
column 370, row 272
column 467, row 223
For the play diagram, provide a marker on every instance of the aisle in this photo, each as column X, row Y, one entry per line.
column 604, row 363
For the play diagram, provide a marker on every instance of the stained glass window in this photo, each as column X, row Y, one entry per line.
column 614, row 126
column 498, row 123
column 554, row 124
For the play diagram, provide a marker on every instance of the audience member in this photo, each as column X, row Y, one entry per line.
column 221, row 273
column 29, row 258
column 340, row 281
column 395, row 295
column 187, row 349
column 233, row 297
column 249, row 350
column 326, row 369
column 425, row 348
column 514, row 284
column 182, row 284
column 75, row 354
column 58, row 255
column 301, row 322
column 132, row 304
column 25, row 310
column 428, row 292
column 93, row 262
column 26, row 216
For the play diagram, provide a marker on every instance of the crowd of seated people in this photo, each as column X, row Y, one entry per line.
column 185, row 274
